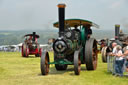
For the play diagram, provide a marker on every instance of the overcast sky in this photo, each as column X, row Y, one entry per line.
column 41, row 14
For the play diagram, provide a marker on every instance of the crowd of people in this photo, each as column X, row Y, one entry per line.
column 121, row 59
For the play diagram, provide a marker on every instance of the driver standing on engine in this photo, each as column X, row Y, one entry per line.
column 30, row 40
column 89, row 31
column 76, row 28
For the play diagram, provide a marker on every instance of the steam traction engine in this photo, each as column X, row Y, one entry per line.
column 31, row 46
column 120, row 38
column 73, row 46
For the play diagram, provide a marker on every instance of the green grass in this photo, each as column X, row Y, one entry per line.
column 16, row 70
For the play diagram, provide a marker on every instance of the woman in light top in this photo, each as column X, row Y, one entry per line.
column 119, row 61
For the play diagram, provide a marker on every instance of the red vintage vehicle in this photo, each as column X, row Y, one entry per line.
column 31, row 46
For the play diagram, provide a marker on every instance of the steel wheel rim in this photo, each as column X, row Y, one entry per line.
column 46, row 65
column 94, row 56
column 79, row 64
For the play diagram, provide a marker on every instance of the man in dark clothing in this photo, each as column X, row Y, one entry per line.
column 89, row 32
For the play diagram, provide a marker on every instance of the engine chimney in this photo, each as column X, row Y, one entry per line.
column 117, row 30
column 61, row 9
column 34, row 34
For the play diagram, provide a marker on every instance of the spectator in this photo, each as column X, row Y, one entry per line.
column 113, row 54
column 114, row 51
column 126, row 56
column 119, row 61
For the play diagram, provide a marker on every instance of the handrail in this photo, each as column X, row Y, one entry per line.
column 111, row 64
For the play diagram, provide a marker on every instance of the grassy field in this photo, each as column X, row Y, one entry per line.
column 16, row 70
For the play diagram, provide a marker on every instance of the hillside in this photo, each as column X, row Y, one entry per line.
column 16, row 37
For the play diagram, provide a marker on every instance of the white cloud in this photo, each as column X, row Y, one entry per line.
column 117, row 4
column 124, row 22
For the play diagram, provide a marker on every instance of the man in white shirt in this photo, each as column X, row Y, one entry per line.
column 111, row 54
column 114, row 49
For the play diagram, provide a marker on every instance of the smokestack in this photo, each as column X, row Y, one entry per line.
column 117, row 30
column 34, row 34
column 61, row 9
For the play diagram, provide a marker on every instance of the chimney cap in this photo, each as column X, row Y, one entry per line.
column 62, row 5
column 117, row 25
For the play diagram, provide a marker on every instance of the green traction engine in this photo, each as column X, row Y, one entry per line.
column 73, row 45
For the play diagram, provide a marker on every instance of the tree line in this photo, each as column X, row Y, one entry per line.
column 16, row 37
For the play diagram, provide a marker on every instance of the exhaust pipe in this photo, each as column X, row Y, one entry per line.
column 34, row 35
column 117, row 30
column 61, row 9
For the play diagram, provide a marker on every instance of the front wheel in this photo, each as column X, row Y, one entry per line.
column 44, row 63
column 77, row 63
column 25, row 50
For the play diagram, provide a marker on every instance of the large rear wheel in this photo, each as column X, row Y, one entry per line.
column 44, row 63
column 91, row 53
column 104, row 54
